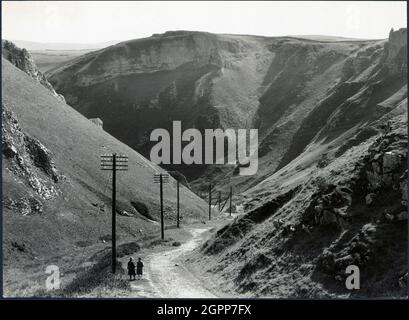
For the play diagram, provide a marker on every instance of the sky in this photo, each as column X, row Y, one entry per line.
column 100, row 21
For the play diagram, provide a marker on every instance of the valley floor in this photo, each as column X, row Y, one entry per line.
column 165, row 272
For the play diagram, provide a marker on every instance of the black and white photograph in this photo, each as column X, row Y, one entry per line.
column 204, row 149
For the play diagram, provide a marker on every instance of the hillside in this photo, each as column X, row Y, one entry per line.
column 204, row 80
column 332, row 117
column 338, row 196
column 278, row 85
column 56, row 198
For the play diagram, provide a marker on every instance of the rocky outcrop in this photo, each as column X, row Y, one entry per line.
column 362, row 60
column 332, row 205
column 396, row 51
column 386, row 163
column 386, row 169
column 29, row 161
column 28, row 205
column 381, row 187
column 382, row 169
column 22, row 59
column 41, row 157
column 357, row 251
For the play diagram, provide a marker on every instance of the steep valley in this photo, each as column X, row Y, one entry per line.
column 291, row 89
column 330, row 190
column 336, row 197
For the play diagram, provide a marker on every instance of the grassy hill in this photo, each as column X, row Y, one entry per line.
column 56, row 198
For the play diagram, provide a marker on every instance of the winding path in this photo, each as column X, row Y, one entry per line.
column 166, row 277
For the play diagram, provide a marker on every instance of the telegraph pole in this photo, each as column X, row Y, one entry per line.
column 177, row 217
column 161, row 179
column 113, row 241
column 210, row 201
column 162, row 227
column 114, row 163
column 231, row 195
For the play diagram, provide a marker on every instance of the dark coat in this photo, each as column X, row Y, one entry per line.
column 139, row 267
column 131, row 268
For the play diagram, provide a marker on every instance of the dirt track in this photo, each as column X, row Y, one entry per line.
column 164, row 273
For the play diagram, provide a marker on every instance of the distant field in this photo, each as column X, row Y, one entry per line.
column 328, row 38
column 48, row 59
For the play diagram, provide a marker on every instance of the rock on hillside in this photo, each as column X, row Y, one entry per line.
column 22, row 59
column 27, row 159
column 397, row 49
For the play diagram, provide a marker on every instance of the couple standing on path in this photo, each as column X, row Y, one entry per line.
column 131, row 269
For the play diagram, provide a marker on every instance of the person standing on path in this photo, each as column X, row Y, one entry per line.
column 139, row 268
column 131, row 269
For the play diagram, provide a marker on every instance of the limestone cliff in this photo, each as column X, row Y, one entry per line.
column 22, row 59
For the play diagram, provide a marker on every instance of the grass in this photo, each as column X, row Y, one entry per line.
column 92, row 281
column 97, row 280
